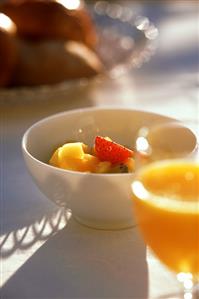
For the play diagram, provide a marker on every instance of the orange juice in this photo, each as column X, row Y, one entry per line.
column 166, row 202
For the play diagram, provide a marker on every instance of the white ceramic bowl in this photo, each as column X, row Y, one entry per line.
column 97, row 200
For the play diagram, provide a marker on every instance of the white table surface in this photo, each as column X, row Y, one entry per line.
column 45, row 254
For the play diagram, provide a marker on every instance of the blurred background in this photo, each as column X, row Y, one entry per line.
column 171, row 76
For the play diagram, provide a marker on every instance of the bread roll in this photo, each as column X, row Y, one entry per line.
column 43, row 19
column 8, row 49
column 49, row 62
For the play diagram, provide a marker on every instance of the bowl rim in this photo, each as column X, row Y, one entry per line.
column 85, row 110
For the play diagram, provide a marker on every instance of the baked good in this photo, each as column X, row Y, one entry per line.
column 43, row 19
column 49, row 62
column 49, row 43
column 8, row 49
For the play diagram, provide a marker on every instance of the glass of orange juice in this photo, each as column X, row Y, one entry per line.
column 166, row 201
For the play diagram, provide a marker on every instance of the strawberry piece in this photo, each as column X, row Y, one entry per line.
column 107, row 150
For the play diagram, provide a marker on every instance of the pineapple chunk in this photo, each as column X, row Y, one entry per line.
column 71, row 164
column 71, row 150
column 103, row 167
column 130, row 163
column 67, row 152
column 54, row 159
column 87, row 164
column 74, row 156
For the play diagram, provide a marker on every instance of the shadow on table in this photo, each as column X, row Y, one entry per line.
column 79, row 262
column 22, row 239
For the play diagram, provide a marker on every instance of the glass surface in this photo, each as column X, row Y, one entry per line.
column 166, row 200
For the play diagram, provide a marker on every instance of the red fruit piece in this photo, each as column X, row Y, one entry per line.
column 113, row 152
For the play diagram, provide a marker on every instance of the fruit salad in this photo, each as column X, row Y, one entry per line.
column 105, row 156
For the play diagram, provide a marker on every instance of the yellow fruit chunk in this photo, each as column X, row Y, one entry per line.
column 87, row 164
column 71, row 150
column 72, row 156
column 71, row 164
column 54, row 159
column 130, row 163
column 103, row 167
